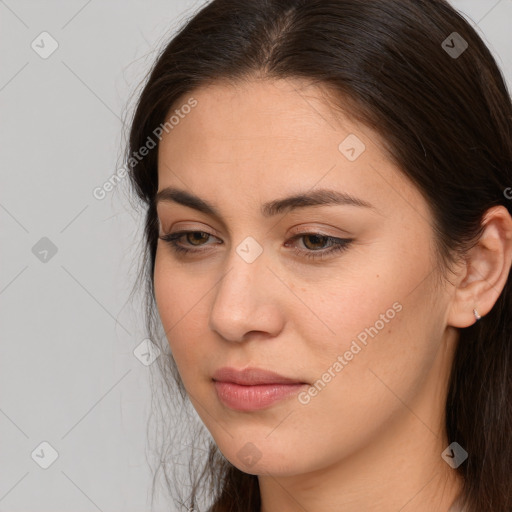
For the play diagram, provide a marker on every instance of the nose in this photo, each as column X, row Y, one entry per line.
column 247, row 301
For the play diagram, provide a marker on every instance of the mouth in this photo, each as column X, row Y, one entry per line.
column 253, row 388
column 252, row 377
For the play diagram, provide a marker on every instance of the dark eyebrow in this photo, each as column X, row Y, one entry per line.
column 319, row 197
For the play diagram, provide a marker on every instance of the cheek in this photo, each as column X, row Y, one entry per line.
column 364, row 373
column 359, row 306
column 181, row 310
column 380, row 318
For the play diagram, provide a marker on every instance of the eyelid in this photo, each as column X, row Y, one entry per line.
column 191, row 226
column 295, row 230
column 317, row 230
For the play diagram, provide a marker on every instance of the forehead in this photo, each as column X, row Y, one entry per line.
column 276, row 125
column 244, row 113
column 261, row 139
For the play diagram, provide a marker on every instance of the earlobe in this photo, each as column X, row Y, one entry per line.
column 486, row 270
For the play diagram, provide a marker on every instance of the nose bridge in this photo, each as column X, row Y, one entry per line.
column 246, row 265
column 242, row 301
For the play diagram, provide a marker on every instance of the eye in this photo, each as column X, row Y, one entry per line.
column 202, row 237
column 173, row 240
column 314, row 243
column 314, row 240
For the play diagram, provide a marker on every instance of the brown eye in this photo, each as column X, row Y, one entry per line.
column 196, row 236
column 319, row 246
column 316, row 241
column 182, row 242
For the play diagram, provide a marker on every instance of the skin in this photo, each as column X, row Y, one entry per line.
column 372, row 438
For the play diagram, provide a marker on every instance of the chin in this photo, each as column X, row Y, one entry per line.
column 255, row 459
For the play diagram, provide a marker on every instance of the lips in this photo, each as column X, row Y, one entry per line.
column 252, row 389
column 252, row 377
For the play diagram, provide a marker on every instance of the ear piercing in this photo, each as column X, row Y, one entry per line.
column 477, row 316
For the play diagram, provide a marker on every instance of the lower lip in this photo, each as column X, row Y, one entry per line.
column 252, row 398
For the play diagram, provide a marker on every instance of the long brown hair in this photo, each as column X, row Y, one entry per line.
column 441, row 105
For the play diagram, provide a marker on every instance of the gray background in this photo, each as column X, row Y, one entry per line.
column 68, row 374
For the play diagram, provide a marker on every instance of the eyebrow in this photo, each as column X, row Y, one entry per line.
column 319, row 197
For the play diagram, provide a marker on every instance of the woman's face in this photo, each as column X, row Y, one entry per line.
column 357, row 321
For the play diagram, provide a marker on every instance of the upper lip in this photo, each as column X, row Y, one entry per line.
column 252, row 377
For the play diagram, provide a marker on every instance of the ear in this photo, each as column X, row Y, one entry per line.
column 485, row 270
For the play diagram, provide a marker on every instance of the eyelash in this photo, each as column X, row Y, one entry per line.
column 339, row 244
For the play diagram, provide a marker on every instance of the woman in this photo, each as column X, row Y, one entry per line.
column 328, row 247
